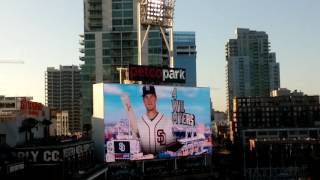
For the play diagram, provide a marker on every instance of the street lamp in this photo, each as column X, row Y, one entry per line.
column 157, row 13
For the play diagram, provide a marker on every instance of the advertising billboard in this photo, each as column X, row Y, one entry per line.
column 155, row 122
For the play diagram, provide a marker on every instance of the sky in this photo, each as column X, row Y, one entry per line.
column 46, row 34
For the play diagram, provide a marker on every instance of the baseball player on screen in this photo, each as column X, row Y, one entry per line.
column 155, row 130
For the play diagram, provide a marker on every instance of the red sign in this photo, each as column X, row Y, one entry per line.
column 31, row 108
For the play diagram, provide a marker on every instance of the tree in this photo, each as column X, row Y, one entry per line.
column 24, row 129
column 27, row 125
column 87, row 128
column 46, row 125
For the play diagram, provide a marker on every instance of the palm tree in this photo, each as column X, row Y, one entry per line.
column 46, row 124
column 27, row 125
column 24, row 129
column 87, row 128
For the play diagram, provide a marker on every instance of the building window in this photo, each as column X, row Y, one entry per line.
column 106, row 36
column 89, row 37
column 89, row 52
column 106, row 60
column 117, row 22
column 116, row 5
column 127, row 5
column 116, row 13
column 128, row 13
column 89, row 44
column 127, row 22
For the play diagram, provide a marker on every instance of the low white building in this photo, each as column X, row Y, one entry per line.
column 13, row 111
column 60, row 123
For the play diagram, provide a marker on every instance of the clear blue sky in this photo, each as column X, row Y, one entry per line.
column 45, row 33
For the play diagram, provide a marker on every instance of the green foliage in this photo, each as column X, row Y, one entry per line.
column 27, row 125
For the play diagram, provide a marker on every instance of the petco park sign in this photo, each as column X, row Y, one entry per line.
column 156, row 74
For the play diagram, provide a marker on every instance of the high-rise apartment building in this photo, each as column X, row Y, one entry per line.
column 282, row 131
column 277, row 112
column 185, row 55
column 63, row 93
column 251, row 68
column 110, row 43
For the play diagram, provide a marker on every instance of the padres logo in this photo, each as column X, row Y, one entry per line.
column 161, row 137
column 122, row 147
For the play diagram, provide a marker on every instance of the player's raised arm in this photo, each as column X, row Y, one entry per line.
column 131, row 115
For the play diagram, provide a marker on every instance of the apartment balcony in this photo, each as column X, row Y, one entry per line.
column 82, row 58
column 82, row 66
column 95, row 16
column 95, row 1
column 95, row 24
column 81, row 50
column 95, row 8
column 81, row 42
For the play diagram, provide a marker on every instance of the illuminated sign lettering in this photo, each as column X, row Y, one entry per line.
column 179, row 116
column 156, row 74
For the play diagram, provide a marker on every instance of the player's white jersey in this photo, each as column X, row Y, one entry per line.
column 156, row 134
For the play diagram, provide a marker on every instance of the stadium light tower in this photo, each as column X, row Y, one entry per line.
column 155, row 13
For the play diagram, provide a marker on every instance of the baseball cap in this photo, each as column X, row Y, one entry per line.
column 148, row 89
